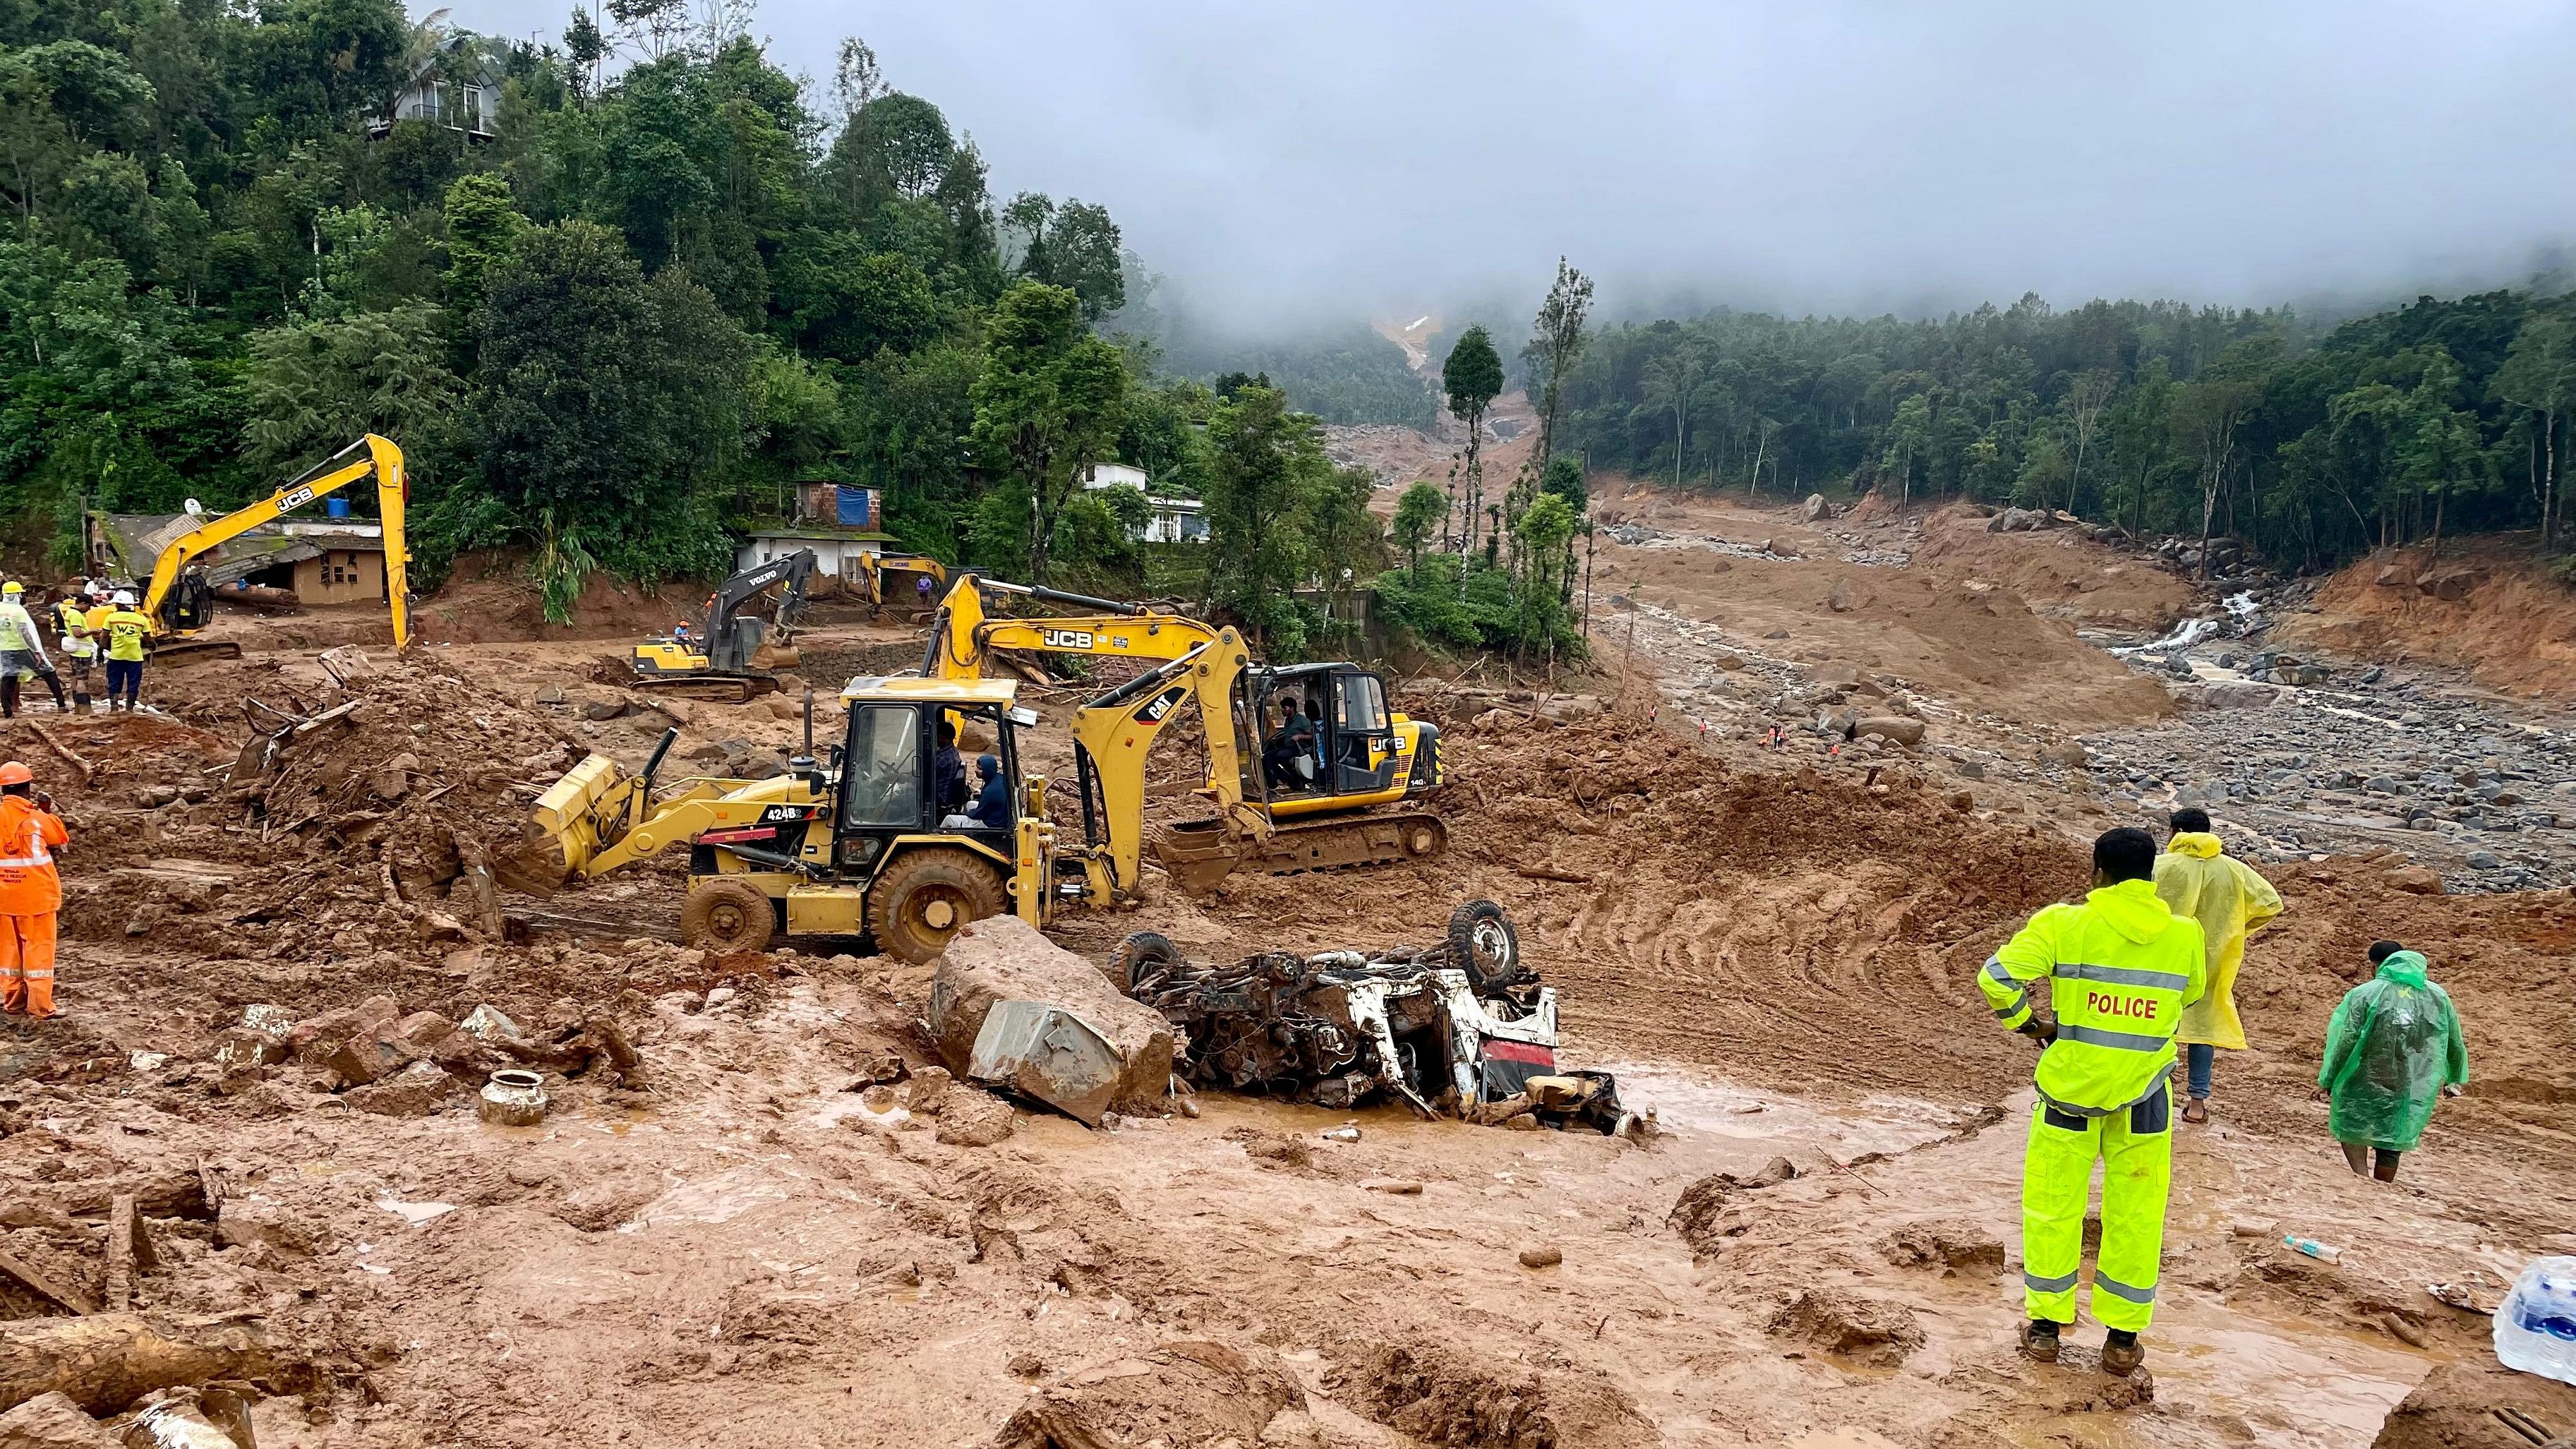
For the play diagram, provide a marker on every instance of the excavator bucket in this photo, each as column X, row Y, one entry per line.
column 564, row 831
column 1197, row 854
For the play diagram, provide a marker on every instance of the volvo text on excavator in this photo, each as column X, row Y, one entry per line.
column 729, row 662
column 180, row 599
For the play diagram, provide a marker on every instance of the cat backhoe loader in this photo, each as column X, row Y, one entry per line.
column 851, row 843
column 180, row 599
column 730, row 659
column 1284, row 806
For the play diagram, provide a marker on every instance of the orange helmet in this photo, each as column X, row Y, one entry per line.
column 14, row 773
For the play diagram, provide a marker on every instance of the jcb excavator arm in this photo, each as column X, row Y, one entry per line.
column 380, row 458
column 962, row 636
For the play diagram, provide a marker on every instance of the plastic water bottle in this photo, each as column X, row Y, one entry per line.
column 2535, row 1328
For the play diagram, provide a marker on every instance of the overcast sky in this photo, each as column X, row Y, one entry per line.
column 1332, row 160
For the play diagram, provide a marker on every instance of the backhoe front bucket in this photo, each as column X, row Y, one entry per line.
column 565, row 830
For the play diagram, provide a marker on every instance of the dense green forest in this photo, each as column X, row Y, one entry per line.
column 609, row 293
column 2160, row 417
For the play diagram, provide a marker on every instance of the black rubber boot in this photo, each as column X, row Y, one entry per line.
column 2121, row 1353
column 2039, row 1340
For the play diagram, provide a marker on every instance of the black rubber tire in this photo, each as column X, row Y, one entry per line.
column 918, row 903
column 1483, row 944
column 728, row 917
column 1140, row 955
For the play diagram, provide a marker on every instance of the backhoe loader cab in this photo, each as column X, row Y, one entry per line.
column 856, row 843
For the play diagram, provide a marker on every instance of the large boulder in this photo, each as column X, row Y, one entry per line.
column 1113, row 1054
column 1816, row 509
column 1895, row 729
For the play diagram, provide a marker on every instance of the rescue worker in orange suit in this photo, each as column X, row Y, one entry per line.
column 30, row 893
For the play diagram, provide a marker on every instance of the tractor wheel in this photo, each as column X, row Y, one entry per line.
column 1483, row 944
column 921, row 900
column 729, row 917
column 1142, row 957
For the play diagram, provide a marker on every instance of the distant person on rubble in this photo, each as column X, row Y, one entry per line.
column 2195, row 877
column 30, row 892
column 125, row 630
column 2120, row 969
column 22, row 650
column 2393, row 1050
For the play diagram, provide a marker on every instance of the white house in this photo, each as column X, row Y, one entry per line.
column 1175, row 520
column 467, row 100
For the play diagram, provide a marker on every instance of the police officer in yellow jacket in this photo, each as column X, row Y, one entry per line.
column 2119, row 969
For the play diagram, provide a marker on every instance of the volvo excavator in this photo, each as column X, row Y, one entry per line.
column 180, row 599
column 856, row 841
column 729, row 662
column 1284, row 804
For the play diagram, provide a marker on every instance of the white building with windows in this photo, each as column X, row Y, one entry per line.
column 1175, row 520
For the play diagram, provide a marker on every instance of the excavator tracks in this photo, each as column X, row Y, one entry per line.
column 1199, row 854
column 714, row 689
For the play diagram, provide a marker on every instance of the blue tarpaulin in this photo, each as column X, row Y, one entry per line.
column 858, row 507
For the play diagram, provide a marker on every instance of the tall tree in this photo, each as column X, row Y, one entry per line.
column 1672, row 383
column 1561, row 321
column 1419, row 513
column 2088, row 397
column 1472, row 377
column 1265, row 460
column 1046, row 403
column 2539, row 376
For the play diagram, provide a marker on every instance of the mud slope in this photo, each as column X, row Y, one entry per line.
column 2510, row 625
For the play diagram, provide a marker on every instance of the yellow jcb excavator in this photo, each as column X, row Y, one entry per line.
column 1306, row 797
column 181, row 602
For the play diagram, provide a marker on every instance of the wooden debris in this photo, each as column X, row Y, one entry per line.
column 88, row 771
column 105, row 1362
column 129, row 1251
column 62, row 1296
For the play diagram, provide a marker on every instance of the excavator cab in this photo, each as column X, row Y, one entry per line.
column 1360, row 752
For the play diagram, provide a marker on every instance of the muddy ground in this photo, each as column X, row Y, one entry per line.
column 761, row 1229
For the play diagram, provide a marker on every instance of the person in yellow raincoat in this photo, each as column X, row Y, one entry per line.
column 2195, row 877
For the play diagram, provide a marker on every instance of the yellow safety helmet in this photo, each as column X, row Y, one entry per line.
column 13, row 587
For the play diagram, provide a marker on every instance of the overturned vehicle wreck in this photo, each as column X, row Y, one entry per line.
column 1461, row 1028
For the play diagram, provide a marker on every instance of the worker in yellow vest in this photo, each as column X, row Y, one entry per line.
column 125, row 631
column 2119, row 970
column 22, row 650
column 80, row 647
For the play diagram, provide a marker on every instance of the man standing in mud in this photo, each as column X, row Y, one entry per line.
column 2120, row 969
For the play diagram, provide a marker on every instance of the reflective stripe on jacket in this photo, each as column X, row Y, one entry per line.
column 29, row 885
column 2120, row 968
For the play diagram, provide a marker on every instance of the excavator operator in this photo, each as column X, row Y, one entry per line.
column 1288, row 760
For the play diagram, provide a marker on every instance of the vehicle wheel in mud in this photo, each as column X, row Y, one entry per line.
column 729, row 917
column 1141, row 957
column 925, row 896
column 1484, row 945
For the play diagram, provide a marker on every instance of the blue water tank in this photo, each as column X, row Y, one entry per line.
column 336, row 507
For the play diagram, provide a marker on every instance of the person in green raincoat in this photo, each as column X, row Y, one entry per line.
column 2195, row 877
column 2393, row 1047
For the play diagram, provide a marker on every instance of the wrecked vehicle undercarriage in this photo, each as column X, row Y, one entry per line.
column 1460, row 1028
